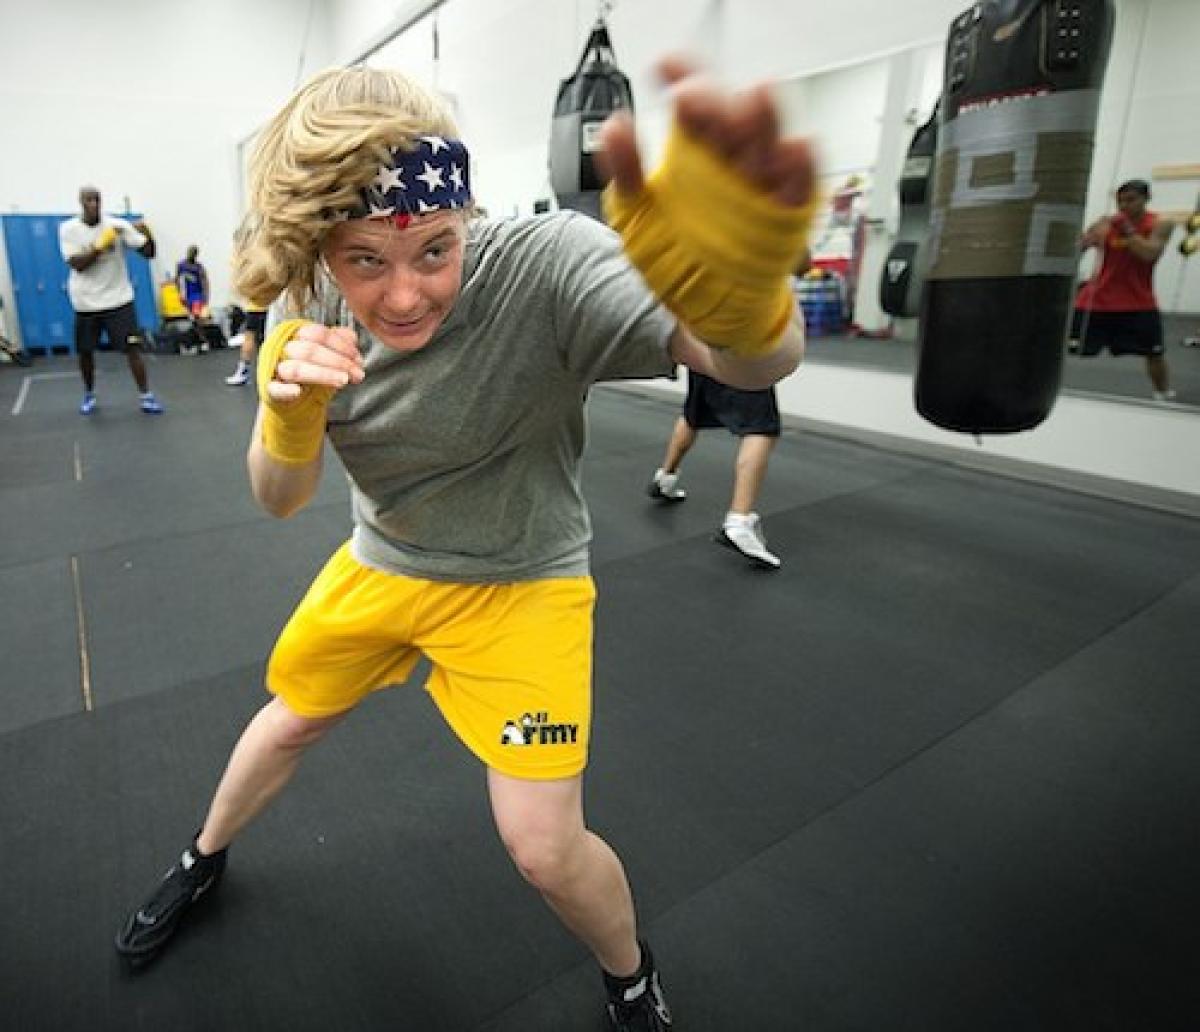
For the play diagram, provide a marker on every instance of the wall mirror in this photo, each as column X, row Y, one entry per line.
column 863, row 114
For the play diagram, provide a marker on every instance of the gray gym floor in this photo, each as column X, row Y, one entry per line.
column 937, row 773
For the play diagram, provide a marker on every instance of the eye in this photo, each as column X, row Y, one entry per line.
column 363, row 263
column 436, row 253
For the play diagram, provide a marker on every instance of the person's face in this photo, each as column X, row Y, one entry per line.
column 399, row 283
column 1131, row 204
column 89, row 200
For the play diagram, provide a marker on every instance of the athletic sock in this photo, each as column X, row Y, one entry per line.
column 629, row 987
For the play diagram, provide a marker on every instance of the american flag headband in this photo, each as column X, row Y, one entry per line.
column 434, row 175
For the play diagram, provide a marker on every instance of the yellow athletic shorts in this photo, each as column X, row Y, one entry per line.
column 512, row 663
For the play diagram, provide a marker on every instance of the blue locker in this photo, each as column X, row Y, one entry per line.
column 39, row 279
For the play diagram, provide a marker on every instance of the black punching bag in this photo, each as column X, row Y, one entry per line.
column 904, row 271
column 1018, row 118
column 585, row 100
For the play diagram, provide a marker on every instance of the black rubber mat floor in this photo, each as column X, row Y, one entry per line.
column 937, row 773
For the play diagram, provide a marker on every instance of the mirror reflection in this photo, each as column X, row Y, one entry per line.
column 870, row 118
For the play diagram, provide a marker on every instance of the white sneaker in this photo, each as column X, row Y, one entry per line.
column 744, row 534
column 240, row 376
column 665, row 487
column 1167, row 395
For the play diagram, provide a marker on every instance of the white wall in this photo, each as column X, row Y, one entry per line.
column 504, row 61
column 145, row 100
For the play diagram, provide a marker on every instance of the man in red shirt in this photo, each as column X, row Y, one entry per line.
column 1117, row 308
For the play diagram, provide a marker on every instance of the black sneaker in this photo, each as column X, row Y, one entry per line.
column 148, row 929
column 636, row 1003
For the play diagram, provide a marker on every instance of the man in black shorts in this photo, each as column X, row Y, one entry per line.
column 754, row 417
column 93, row 246
column 253, row 331
column 1117, row 309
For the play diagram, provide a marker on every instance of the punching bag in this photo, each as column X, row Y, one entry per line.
column 595, row 90
column 1018, row 116
column 904, row 271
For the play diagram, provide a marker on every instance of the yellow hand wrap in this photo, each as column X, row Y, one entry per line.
column 292, row 431
column 107, row 237
column 717, row 252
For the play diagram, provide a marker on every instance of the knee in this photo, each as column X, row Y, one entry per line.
column 290, row 730
column 545, row 857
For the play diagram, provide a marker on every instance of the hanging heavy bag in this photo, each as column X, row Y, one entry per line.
column 585, row 100
column 904, row 271
column 1018, row 117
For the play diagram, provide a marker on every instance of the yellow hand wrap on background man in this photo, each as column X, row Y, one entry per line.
column 292, row 431
column 717, row 251
column 107, row 237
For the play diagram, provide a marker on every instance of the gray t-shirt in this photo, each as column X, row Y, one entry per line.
column 464, row 456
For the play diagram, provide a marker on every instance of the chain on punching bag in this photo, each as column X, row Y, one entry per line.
column 595, row 90
column 904, row 271
column 1018, row 119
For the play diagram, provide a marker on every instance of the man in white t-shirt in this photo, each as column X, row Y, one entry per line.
column 93, row 245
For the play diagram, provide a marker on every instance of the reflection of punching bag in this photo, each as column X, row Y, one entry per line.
column 585, row 100
column 1018, row 116
column 903, row 272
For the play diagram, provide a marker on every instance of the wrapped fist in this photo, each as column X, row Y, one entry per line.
column 106, row 238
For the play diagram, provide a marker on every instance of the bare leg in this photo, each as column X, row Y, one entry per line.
column 683, row 436
column 249, row 345
column 749, row 471
column 1160, row 376
column 262, row 763
column 133, row 355
column 577, row 873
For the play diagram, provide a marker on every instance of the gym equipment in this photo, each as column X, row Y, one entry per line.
column 820, row 296
column 1018, row 115
column 1190, row 243
column 594, row 91
column 904, row 271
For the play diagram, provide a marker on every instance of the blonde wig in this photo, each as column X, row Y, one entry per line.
column 310, row 164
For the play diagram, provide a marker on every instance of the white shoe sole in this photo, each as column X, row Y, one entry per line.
column 721, row 538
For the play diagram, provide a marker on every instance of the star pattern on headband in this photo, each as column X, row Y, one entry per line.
column 388, row 178
column 432, row 175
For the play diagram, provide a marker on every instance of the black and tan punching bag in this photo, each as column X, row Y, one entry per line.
column 1018, row 117
column 904, row 271
column 595, row 90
